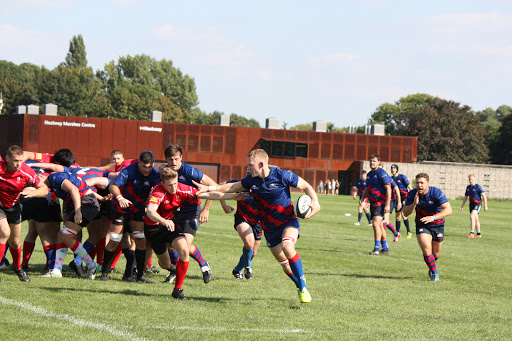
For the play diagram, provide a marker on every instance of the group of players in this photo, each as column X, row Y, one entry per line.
column 380, row 194
column 138, row 207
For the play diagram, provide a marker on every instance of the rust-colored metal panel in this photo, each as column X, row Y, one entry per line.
column 362, row 139
column 372, row 139
column 349, row 152
column 384, row 153
column 107, row 132
column 309, row 176
column 326, row 150
column 314, row 136
column 326, row 137
column 95, row 140
column 168, row 137
column 361, row 153
column 230, row 140
column 302, row 135
column 225, row 173
column 314, row 151
column 384, row 140
column 396, row 154
column 206, row 143
column 192, row 128
column 298, row 171
column 218, row 144
column 337, row 151
column 350, row 138
column 337, row 137
column 206, row 130
column 193, row 143
column 119, row 138
column 218, row 130
column 181, row 139
column 291, row 134
column 131, row 149
column 372, row 149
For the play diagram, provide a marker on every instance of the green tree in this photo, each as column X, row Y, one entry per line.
column 306, row 126
column 240, row 121
column 17, row 85
column 502, row 147
column 76, row 56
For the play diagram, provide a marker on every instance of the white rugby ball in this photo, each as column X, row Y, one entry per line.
column 301, row 207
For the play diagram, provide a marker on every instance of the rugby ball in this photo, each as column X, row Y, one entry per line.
column 301, row 208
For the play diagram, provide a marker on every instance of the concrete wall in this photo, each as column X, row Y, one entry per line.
column 452, row 178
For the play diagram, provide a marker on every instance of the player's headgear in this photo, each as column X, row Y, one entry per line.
column 394, row 166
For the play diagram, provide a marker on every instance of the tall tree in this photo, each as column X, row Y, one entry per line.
column 502, row 147
column 76, row 56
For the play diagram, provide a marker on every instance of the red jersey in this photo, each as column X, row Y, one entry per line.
column 12, row 183
column 169, row 203
column 119, row 166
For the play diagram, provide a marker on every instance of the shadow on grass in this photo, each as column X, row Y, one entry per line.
column 127, row 292
column 359, row 275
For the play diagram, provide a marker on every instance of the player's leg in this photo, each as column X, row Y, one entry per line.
column 180, row 244
column 28, row 244
column 377, row 219
column 246, row 234
column 359, row 213
column 115, row 236
column 278, row 254
column 476, row 219
column 425, row 241
column 5, row 232
column 189, row 227
column 140, row 249
column 48, row 234
column 68, row 234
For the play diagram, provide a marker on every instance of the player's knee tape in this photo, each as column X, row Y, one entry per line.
column 284, row 261
column 289, row 239
column 138, row 235
column 116, row 237
column 67, row 231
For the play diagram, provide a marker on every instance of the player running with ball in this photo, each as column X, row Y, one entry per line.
column 271, row 191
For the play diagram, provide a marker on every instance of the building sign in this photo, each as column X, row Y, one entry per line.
column 69, row 124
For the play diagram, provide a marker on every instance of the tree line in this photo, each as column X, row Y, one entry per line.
column 133, row 86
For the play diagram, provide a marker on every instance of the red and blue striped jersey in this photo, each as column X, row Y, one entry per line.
column 56, row 179
column 361, row 186
column 186, row 174
column 135, row 187
column 169, row 203
column 375, row 182
column 429, row 204
column 475, row 193
column 246, row 209
column 402, row 182
column 272, row 196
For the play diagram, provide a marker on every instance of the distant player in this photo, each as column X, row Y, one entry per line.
column 378, row 190
column 159, row 228
column 271, row 191
column 476, row 194
column 431, row 208
column 405, row 186
column 15, row 175
column 363, row 206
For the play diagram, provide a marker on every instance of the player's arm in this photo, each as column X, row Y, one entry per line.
column 398, row 198
column 157, row 218
column 485, row 201
column 409, row 187
column 75, row 196
column 308, row 189
column 227, row 209
column 446, row 210
column 226, row 188
column 40, row 190
column 363, row 197
column 388, row 198
column 28, row 155
column 408, row 209
column 98, row 182
column 205, row 212
column 53, row 167
column 224, row 196
column 463, row 202
column 116, row 193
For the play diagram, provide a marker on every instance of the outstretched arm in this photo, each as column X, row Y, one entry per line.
column 308, row 189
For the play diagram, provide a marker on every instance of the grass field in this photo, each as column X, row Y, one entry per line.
column 355, row 296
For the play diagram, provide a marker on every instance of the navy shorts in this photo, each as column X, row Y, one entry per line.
column 475, row 207
column 436, row 231
column 12, row 214
column 90, row 209
column 158, row 236
column 256, row 228
column 377, row 211
column 274, row 236
column 188, row 222
column 123, row 218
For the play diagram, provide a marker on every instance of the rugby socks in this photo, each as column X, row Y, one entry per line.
column 359, row 216
column 199, row 257
column 49, row 251
column 60, row 254
column 245, row 259
column 398, row 223
column 16, row 257
column 28, row 248
column 140, row 257
column 174, row 257
column 79, row 250
column 384, row 244
column 369, row 217
column 108, row 256
column 181, row 272
column 130, row 261
column 391, row 228
column 431, row 263
column 3, row 252
column 377, row 245
column 100, row 250
column 117, row 255
column 296, row 266
column 406, row 222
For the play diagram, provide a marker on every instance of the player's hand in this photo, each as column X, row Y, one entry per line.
column 28, row 192
column 399, row 206
column 354, row 197
column 169, row 224
column 124, row 203
column 387, row 208
column 201, row 188
column 240, row 196
column 108, row 197
column 203, row 216
column 485, row 208
column 315, row 208
column 78, row 216
column 460, row 209
column 227, row 209
column 427, row 220
column 416, row 199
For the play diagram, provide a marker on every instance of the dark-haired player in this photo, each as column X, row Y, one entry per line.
column 271, row 191
column 431, row 208
column 404, row 186
column 131, row 190
column 363, row 206
column 14, row 177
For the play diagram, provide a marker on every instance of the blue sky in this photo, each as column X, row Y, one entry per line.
column 299, row 61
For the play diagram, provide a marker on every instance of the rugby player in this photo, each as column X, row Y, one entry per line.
column 431, row 208
column 363, row 206
column 405, row 186
column 476, row 194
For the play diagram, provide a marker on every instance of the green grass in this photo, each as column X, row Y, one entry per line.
column 355, row 296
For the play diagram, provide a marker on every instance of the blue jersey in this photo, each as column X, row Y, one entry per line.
column 361, row 186
column 56, row 179
column 186, row 174
column 428, row 205
column 86, row 173
column 246, row 209
column 272, row 196
column 475, row 193
column 393, row 185
column 135, row 187
column 402, row 182
column 375, row 183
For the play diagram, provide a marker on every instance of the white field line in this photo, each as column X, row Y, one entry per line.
column 221, row 330
column 78, row 322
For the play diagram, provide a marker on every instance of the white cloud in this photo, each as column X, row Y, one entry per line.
column 334, row 58
column 125, row 3
column 173, row 33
